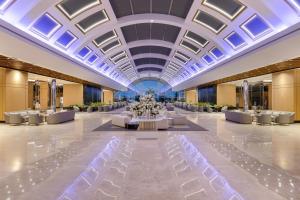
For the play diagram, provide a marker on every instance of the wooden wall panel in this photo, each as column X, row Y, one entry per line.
column 73, row 94
column 13, row 91
column 44, row 95
column 191, row 96
column 297, row 96
column 108, row 97
column 226, row 94
column 283, row 91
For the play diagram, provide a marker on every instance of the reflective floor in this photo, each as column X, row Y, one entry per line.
column 54, row 162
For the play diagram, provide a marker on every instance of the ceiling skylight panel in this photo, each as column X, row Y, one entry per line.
column 66, row 40
column 256, row 27
column 84, row 52
column 196, row 38
column 208, row 59
column 93, row 59
column 235, row 40
column 217, row 53
column 45, row 26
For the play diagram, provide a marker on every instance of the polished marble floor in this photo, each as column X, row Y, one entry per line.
column 46, row 162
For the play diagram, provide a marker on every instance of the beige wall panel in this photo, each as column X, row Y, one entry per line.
column 108, row 96
column 13, row 91
column 191, row 96
column 2, row 97
column 226, row 94
column 73, row 94
column 297, row 88
column 44, row 95
column 283, row 91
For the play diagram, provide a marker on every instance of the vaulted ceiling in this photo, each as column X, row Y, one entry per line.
column 171, row 40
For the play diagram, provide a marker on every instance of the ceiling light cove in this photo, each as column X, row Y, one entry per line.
column 73, row 8
column 208, row 21
column 92, row 21
column 4, row 4
column 105, row 38
column 229, row 8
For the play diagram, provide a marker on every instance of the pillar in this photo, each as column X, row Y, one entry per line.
column 53, row 95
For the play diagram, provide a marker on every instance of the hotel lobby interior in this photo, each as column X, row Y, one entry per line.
column 149, row 99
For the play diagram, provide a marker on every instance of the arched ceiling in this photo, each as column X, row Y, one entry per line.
column 171, row 40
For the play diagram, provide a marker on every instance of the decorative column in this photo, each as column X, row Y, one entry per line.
column 245, row 87
column 53, row 95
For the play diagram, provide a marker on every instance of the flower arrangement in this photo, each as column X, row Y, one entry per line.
column 146, row 107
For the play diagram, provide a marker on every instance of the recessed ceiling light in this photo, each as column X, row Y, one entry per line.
column 235, row 40
column 217, row 53
column 84, row 52
column 66, row 39
column 45, row 26
column 256, row 27
column 207, row 59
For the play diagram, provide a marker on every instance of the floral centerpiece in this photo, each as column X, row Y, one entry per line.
column 147, row 107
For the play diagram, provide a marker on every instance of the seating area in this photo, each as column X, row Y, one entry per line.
column 37, row 117
column 262, row 118
column 163, row 121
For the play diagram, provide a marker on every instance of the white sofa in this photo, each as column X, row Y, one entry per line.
column 120, row 120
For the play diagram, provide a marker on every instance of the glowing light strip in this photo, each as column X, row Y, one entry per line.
column 106, row 40
column 208, row 26
column 95, row 24
column 184, row 62
column 195, row 52
column 232, row 45
column 294, row 4
column 243, row 26
column 193, row 40
column 231, row 17
column 83, row 9
column 58, row 26
column 5, row 5
column 182, row 55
